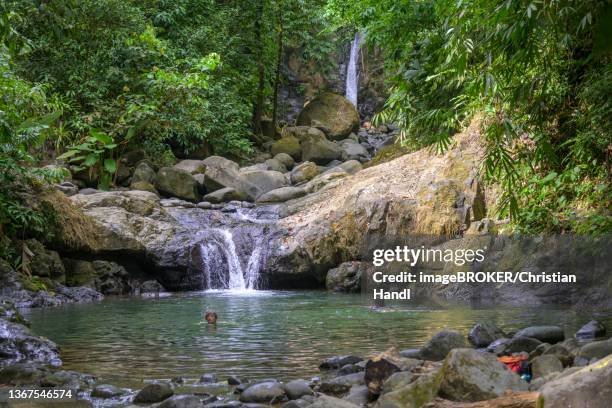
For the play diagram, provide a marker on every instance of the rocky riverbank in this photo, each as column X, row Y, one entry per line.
column 450, row 370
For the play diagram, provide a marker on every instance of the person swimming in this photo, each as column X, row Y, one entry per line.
column 211, row 317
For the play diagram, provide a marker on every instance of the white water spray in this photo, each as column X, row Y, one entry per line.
column 352, row 76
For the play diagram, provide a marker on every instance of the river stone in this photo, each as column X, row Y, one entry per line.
column 483, row 334
column 591, row 330
column 155, row 392
column 352, row 150
column 519, row 344
column 336, row 362
column 143, row 186
column 594, row 350
column 281, row 195
column 181, row 401
column 588, row 387
column 413, row 395
column 224, row 195
column 177, row 183
column 470, row 375
column 191, row 166
column 325, row 401
column 273, row 164
column 265, row 180
column 544, row 365
column 561, row 352
column 441, row 343
column 324, row 179
column 346, row 277
column 297, row 389
column 106, row 391
column 398, row 380
column 320, row 151
column 333, row 112
column 220, row 162
column 341, row 385
column 546, row 334
column 208, row 378
column 17, row 344
column 144, row 172
column 217, row 178
column 304, row 172
column 351, row 166
column 285, row 159
column 304, row 133
column 264, row 392
column 411, row 353
column 287, row 145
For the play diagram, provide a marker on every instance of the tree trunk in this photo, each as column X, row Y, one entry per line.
column 279, row 60
column 258, row 110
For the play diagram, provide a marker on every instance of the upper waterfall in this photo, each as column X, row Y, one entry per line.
column 352, row 74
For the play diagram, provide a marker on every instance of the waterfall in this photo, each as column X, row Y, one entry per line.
column 352, row 76
column 222, row 266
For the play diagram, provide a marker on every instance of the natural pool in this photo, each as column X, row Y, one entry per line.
column 261, row 334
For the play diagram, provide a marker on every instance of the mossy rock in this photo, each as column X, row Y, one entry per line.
column 336, row 113
column 388, row 153
column 289, row 145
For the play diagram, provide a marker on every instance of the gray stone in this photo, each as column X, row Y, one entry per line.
column 265, row 180
column 595, row 350
column 519, row 344
column 544, row 365
column 285, row 159
column 67, row 188
column 333, row 112
column 275, row 165
column 546, row 334
column 352, row 150
column 346, row 277
column 287, row 145
column 281, row 195
column 143, row 172
column 220, row 162
column 341, row 385
column 351, row 166
column 441, row 344
column 483, row 334
column 181, row 401
column 470, row 375
column 413, row 395
column 264, row 392
column 411, row 353
column 304, row 172
column 358, row 395
column 177, row 183
column 224, row 195
column 297, row 389
column 320, row 151
column 324, row 179
column 191, row 166
column 561, row 352
column 590, row 387
column 336, row 362
column 208, row 378
column 155, row 392
column 325, row 401
column 591, row 330
column 217, row 178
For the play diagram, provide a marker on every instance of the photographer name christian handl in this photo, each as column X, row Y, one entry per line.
column 459, row 257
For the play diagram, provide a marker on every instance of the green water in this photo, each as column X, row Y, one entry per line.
column 260, row 334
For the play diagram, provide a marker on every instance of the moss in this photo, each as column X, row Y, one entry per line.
column 388, row 153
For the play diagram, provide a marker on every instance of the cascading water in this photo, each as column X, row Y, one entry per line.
column 352, row 76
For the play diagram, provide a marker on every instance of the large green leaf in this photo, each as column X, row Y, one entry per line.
column 110, row 165
column 101, row 137
column 90, row 160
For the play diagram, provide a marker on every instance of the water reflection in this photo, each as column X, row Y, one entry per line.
column 259, row 334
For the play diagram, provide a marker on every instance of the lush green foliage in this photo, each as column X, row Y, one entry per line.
column 538, row 69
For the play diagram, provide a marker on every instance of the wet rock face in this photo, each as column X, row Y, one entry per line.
column 346, row 277
column 17, row 344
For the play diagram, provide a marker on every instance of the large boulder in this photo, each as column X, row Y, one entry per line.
column 282, row 194
column 265, row 180
column 304, row 133
column 288, row 145
column 220, row 162
column 519, row 344
column 264, row 392
column 595, row 350
column 298, row 388
column 144, row 172
column 346, row 277
column 45, row 263
column 470, row 375
column 320, row 151
column 590, row 387
column 337, row 114
column 413, row 394
column 191, row 166
column 285, row 159
column 304, row 172
column 17, row 344
column 273, row 164
column 177, row 183
column 483, row 334
column 546, row 334
column 441, row 344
